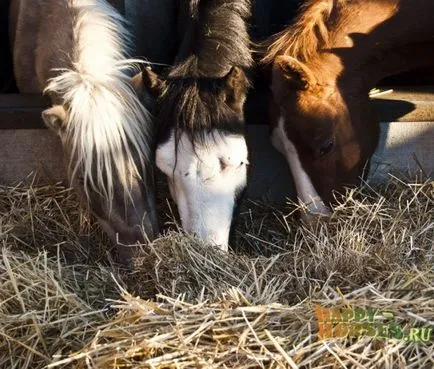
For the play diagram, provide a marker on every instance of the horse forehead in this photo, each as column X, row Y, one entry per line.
column 207, row 151
column 317, row 108
column 235, row 145
column 213, row 143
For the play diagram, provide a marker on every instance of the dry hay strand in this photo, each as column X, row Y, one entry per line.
column 372, row 234
column 250, row 308
column 231, row 332
column 46, row 305
column 49, row 217
column 46, row 308
column 244, row 310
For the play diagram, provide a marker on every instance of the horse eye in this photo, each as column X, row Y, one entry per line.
column 223, row 164
column 327, row 147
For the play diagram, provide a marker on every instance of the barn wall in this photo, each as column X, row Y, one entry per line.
column 35, row 156
column 25, row 147
column 30, row 156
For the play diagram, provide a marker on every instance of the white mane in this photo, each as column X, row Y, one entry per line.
column 107, row 126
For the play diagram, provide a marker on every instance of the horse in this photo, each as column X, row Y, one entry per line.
column 322, row 69
column 75, row 51
column 201, row 146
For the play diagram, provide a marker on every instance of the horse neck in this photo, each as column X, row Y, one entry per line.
column 386, row 38
column 209, row 26
column 190, row 63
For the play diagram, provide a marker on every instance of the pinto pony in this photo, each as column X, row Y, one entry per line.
column 323, row 67
column 201, row 146
column 75, row 51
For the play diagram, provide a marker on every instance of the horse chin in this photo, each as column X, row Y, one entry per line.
column 128, row 238
column 128, row 223
column 315, row 214
column 124, row 241
column 218, row 238
column 318, row 208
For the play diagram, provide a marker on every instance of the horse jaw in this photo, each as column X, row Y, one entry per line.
column 205, row 182
column 307, row 194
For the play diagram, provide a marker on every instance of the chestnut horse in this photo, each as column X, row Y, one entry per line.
column 323, row 67
column 75, row 51
column 201, row 146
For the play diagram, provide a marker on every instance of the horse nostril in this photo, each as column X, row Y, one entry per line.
column 315, row 218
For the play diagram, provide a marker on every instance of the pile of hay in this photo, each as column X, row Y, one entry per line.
column 188, row 305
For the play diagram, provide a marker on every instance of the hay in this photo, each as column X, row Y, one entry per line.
column 47, row 306
column 373, row 233
column 41, row 313
column 201, row 308
column 233, row 333
column 49, row 217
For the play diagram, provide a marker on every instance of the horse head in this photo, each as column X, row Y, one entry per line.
column 326, row 130
column 104, row 137
column 201, row 148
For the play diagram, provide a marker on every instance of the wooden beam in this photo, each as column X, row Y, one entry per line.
column 405, row 104
column 402, row 105
column 22, row 111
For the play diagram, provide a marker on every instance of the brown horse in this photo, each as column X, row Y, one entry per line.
column 323, row 67
column 75, row 51
column 201, row 146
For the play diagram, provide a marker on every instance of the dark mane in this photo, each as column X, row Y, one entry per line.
column 215, row 38
column 307, row 35
column 214, row 42
column 195, row 106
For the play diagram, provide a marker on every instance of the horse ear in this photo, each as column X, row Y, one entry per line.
column 295, row 72
column 55, row 118
column 148, row 81
column 236, row 85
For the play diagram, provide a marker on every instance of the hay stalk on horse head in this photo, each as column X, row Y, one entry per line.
column 201, row 145
column 323, row 67
column 75, row 51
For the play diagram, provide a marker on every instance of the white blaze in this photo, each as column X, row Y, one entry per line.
column 204, row 182
column 306, row 192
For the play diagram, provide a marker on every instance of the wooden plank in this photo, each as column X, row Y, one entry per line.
column 406, row 104
column 404, row 147
column 23, row 101
column 28, row 155
column 19, row 111
column 409, row 104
